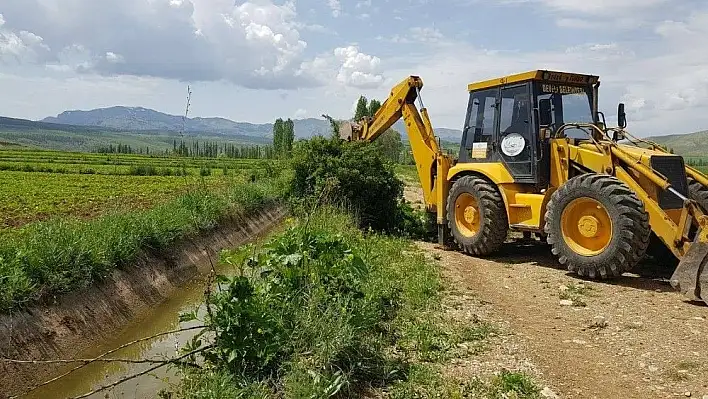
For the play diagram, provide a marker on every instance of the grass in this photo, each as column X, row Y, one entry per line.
column 44, row 259
column 576, row 294
column 408, row 173
column 28, row 197
column 325, row 310
column 426, row 381
column 36, row 185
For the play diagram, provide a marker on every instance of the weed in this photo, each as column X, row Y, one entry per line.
column 512, row 384
column 427, row 381
column 576, row 294
column 311, row 312
column 432, row 337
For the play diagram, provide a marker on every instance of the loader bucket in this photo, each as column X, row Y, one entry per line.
column 346, row 131
column 691, row 274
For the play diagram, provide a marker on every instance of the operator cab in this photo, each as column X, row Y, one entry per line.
column 510, row 119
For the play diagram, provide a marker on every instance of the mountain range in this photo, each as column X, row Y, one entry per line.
column 136, row 119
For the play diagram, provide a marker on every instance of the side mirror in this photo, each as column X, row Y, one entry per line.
column 545, row 115
column 621, row 116
column 617, row 135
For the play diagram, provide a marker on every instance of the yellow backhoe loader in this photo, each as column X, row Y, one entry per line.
column 538, row 157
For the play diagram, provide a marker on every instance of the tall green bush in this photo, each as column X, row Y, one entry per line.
column 351, row 174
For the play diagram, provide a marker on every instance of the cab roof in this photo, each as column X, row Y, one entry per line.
column 542, row 75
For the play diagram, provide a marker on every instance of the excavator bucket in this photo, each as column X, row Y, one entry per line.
column 691, row 274
column 346, row 131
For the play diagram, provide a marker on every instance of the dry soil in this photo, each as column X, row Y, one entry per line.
column 632, row 337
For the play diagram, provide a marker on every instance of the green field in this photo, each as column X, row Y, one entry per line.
column 67, row 219
column 37, row 185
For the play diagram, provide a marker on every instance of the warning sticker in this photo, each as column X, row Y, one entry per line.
column 479, row 150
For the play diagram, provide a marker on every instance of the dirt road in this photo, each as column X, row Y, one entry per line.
column 633, row 337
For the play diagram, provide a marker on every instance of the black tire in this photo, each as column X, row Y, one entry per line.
column 494, row 224
column 630, row 226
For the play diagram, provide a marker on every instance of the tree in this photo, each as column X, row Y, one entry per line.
column 374, row 106
column 278, row 133
column 288, row 136
column 362, row 108
column 390, row 145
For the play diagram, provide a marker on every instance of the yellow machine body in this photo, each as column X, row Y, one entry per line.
column 528, row 170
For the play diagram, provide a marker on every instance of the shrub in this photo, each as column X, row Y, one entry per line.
column 309, row 313
column 143, row 170
column 351, row 174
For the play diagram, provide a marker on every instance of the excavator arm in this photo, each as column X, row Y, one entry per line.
column 432, row 165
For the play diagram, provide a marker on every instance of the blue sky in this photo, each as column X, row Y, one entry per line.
column 262, row 59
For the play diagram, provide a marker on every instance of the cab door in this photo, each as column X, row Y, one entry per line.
column 480, row 124
column 514, row 134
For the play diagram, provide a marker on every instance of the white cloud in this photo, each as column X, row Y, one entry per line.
column 347, row 66
column 20, row 47
column 113, row 57
column 254, row 44
column 358, row 69
column 300, row 113
column 336, row 7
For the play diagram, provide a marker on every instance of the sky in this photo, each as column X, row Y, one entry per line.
column 258, row 60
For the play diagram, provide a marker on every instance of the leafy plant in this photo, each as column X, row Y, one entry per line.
column 358, row 177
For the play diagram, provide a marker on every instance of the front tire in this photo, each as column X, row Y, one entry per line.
column 476, row 216
column 596, row 226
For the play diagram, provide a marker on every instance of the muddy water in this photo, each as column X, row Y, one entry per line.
column 164, row 318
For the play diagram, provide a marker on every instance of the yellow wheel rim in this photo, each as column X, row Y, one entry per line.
column 586, row 226
column 467, row 216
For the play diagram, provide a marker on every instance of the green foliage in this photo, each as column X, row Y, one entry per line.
column 205, row 171
column 362, row 108
column 390, row 145
column 351, row 174
column 283, row 137
column 427, row 381
column 48, row 258
column 374, row 106
column 334, row 125
column 309, row 313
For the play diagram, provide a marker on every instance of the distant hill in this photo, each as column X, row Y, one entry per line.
column 688, row 145
column 88, row 138
column 144, row 119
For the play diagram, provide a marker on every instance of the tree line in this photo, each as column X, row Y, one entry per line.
column 196, row 149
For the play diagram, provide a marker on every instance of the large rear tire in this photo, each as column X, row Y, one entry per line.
column 596, row 226
column 476, row 216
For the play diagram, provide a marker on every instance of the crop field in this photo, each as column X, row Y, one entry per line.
column 36, row 185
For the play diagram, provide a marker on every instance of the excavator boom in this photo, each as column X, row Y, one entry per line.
column 432, row 165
